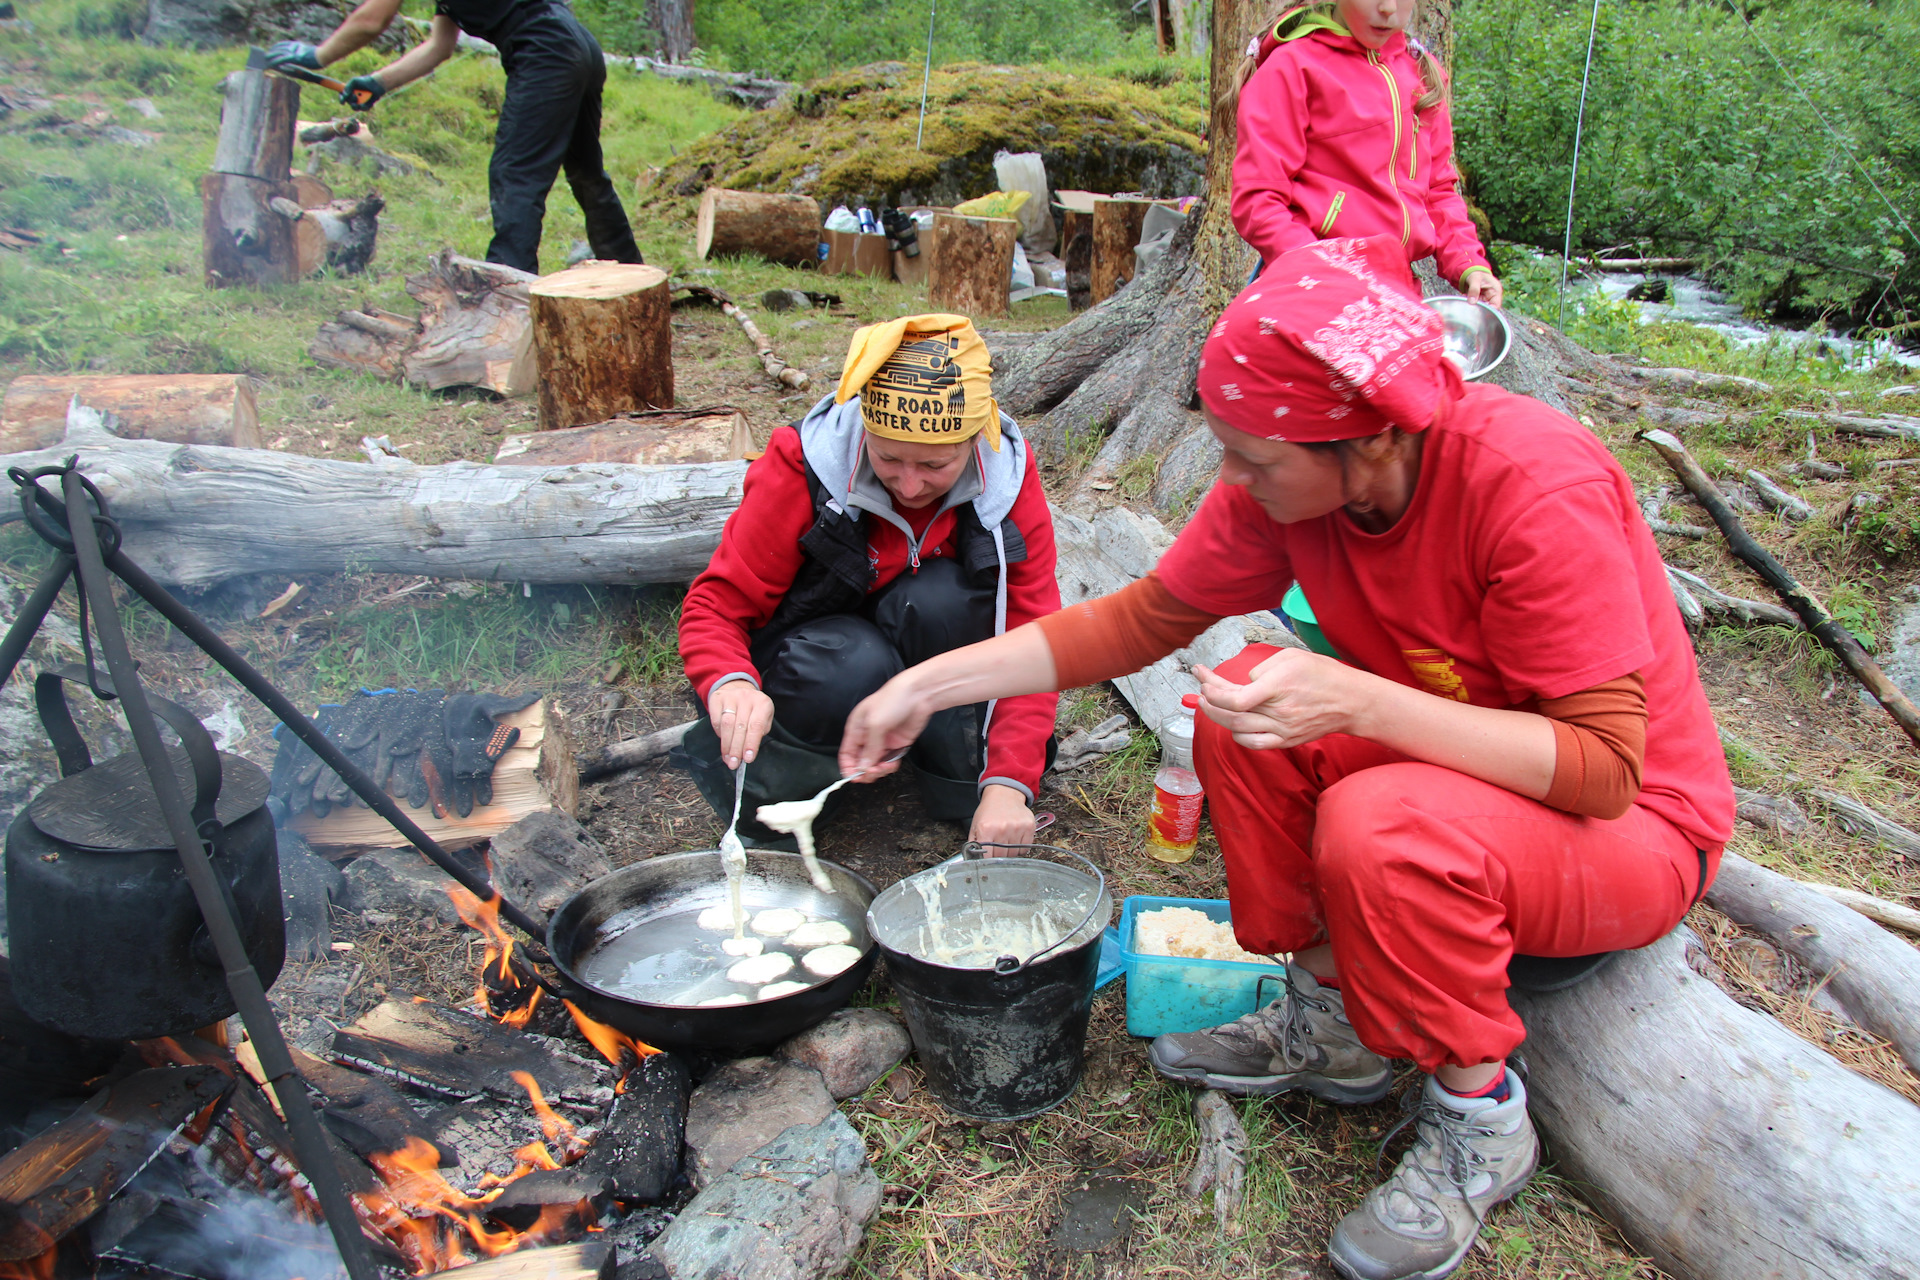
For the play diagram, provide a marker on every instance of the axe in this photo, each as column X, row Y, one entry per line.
column 257, row 60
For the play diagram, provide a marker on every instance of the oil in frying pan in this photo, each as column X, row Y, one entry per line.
column 670, row 959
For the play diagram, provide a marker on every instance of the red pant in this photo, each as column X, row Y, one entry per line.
column 1426, row 881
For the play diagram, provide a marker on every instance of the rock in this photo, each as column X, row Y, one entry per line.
column 1900, row 655
column 851, row 1049
column 639, row 1144
column 745, row 1105
column 145, row 107
column 796, row 1209
column 399, row 880
column 1131, row 541
column 309, row 885
column 544, row 859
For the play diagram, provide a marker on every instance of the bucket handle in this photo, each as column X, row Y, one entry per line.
column 1005, row 966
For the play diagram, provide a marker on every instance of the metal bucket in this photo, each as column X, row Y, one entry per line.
column 997, row 996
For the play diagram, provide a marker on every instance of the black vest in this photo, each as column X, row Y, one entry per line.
column 836, row 574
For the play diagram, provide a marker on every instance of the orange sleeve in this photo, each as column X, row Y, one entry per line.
column 1118, row 634
column 1600, row 742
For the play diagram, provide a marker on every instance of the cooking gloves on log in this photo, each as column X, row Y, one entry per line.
column 425, row 746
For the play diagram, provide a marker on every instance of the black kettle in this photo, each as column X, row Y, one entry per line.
column 106, row 935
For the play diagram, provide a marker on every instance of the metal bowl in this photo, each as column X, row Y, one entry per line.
column 634, row 896
column 1477, row 336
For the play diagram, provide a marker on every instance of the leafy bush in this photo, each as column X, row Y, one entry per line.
column 1695, row 143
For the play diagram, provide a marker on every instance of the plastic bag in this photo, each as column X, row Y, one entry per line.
column 1022, row 272
column 842, row 219
column 995, row 204
column 1024, row 171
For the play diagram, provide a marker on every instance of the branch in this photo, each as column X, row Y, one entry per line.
column 777, row 369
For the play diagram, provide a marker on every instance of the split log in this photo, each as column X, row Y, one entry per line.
column 1116, row 230
column 1221, row 1163
column 210, row 408
column 779, row 228
column 1874, row 975
column 536, row 774
column 972, row 270
column 457, row 1056
column 309, row 191
column 1717, row 1140
column 476, row 330
column 666, row 437
column 362, row 1111
column 617, row 757
column 373, row 342
column 196, row 515
column 593, row 1259
column 603, row 340
column 257, row 115
column 243, row 241
column 1830, row 633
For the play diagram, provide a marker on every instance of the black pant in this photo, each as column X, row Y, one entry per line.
column 818, row 671
column 551, row 120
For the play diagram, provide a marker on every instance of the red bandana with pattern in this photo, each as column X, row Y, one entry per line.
column 1330, row 343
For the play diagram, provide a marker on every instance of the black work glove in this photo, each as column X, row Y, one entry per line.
column 297, row 770
column 475, row 743
column 355, row 729
column 405, row 735
column 294, row 53
column 362, row 92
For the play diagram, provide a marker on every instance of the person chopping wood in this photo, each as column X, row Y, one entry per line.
column 901, row 518
column 550, row 119
column 1513, row 755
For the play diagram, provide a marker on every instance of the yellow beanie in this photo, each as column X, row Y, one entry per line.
column 922, row 378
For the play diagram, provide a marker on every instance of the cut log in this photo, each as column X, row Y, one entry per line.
column 476, row 329
column 972, row 271
column 257, row 115
column 454, row 1055
column 309, row 192
column 243, row 241
column 544, row 859
column 195, row 515
column 1116, row 230
column 603, row 338
column 780, row 228
column 586, row 1260
column 661, row 438
column 536, row 774
column 1875, row 975
column 617, row 757
column 1718, row 1141
column 185, row 408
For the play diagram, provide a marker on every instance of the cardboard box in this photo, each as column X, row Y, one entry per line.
column 857, row 253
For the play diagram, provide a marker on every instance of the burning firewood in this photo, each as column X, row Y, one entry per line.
column 509, row 989
column 437, row 1051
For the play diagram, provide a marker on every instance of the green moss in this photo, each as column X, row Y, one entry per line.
column 853, row 135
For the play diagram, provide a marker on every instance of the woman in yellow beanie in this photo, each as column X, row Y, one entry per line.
column 901, row 518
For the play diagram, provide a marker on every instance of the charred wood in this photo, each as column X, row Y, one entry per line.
column 452, row 1055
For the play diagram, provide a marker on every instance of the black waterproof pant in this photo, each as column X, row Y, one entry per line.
column 549, row 121
column 818, row 671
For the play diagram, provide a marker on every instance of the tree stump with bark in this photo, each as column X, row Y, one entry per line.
column 603, row 339
column 245, row 241
column 972, row 269
column 1116, row 230
column 779, row 228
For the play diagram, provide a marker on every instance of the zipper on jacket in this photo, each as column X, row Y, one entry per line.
column 1333, row 211
column 1413, row 158
column 1393, row 155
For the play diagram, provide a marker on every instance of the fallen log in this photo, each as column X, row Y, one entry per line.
column 756, row 93
column 1860, row 820
column 1713, row 600
column 617, row 757
column 1717, row 1140
column 1829, row 632
column 666, row 437
column 603, row 340
column 1873, row 974
column 1789, row 505
column 207, row 408
column 1879, row 910
column 779, row 228
column 195, row 515
column 1889, row 427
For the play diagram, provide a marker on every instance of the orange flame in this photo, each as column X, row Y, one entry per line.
column 505, row 992
column 616, row 1046
column 557, row 1128
column 35, row 1268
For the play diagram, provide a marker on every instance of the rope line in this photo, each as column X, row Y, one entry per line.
column 926, row 76
column 1573, row 176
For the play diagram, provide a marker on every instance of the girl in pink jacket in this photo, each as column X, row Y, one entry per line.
column 1344, row 131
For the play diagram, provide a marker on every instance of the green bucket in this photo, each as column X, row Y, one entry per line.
column 1298, row 615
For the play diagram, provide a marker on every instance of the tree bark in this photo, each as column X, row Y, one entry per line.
column 972, row 270
column 476, row 328
column 211, row 408
column 1116, row 230
column 671, row 22
column 257, row 115
column 670, row 437
column 780, row 228
column 243, row 241
column 603, row 338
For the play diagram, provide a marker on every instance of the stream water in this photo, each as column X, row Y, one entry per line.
column 1693, row 301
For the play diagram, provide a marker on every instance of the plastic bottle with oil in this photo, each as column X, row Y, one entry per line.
column 1174, row 828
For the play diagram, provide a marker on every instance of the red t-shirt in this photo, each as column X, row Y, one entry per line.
column 1521, row 570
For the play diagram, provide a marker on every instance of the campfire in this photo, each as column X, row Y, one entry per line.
column 182, row 1166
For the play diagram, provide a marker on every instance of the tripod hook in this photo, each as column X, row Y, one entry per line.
column 46, row 514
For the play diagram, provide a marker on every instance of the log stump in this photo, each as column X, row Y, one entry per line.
column 1116, row 230
column 245, row 241
column 210, row 408
column 783, row 229
column 602, row 336
column 972, row 271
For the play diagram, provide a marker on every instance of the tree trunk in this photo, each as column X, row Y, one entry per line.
column 245, row 242
column 603, row 336
column 972, row 271
column 783, row 229
column 671, row 24
column 210, row 408
column 257, row 113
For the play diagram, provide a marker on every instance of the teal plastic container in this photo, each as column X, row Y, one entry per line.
column 1298, row 615
column 1172, row 993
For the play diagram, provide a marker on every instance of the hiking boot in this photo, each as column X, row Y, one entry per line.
column 1471, row 1153
column 1301, row 1041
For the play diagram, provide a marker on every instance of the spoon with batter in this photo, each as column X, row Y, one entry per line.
column 796, row 818
column 733, row 857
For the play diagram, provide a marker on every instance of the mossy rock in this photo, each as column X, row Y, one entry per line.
column 850, row 137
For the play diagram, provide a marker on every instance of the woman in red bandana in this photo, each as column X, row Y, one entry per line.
column 1513, row 756
column 1343, row 130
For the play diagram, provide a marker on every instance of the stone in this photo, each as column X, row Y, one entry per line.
column 851, row 1049
column 796, row 1209
column 1900, row 655
column 309, row 886
column 544, row 859
column 1133, row 542
column 399, row 880
column 746, row 1104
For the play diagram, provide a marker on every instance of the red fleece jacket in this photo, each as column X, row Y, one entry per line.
column 1329, row 144
column 759, row 556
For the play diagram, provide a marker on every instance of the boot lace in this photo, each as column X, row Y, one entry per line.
column 1283, row 1027
column 1443, row 1145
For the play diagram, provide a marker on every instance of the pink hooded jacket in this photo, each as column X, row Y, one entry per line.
column 1330, row 145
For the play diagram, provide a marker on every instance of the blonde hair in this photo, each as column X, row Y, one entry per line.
column 1430, row 72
